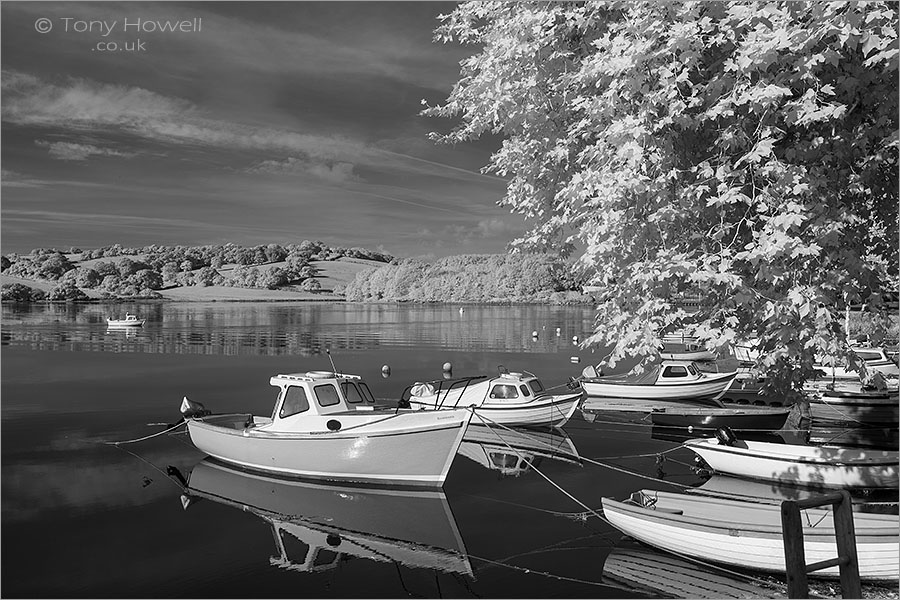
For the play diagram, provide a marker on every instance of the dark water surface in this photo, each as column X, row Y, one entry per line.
column 82, row 518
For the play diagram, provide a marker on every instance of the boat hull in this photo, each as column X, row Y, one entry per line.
column 406, row 448
column 123, row 323
column 720, row 533
column 740, row 419
column 707, row 391
column 868, row 409
column 805, row 465
column 544, row 411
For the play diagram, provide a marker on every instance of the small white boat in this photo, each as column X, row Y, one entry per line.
column 670, row 380
column 508, row 399
column 684, row 347
column 876, row 361
column 828, row 466
column 749, row 535
column 324, row 425
column 334, row 522
column 130, row 320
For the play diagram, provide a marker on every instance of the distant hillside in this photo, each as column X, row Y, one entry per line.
column 310, row 270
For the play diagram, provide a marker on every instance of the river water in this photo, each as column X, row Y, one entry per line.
column 83, row 517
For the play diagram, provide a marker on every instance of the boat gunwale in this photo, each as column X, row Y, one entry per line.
column 705, row 444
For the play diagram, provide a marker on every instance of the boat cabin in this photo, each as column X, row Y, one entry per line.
column 666, row 372
column 474, row 391
column 319, row 393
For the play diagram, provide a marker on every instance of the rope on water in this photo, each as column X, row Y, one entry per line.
column 530, row 464
column 146, row 437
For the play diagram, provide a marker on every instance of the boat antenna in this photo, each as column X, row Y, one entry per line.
column 333, row 368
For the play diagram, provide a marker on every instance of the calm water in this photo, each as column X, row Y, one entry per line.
column 82, row 518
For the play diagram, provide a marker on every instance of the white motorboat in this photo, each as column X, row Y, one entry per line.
column 324, row 425
column 827, row 466
column 130, row 320
column 669, row 380
column 507, row 399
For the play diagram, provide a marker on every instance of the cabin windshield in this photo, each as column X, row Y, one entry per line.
column 327, row 395
column 294, row 402
column 675, row 371
column 351, row 392
column 366, row 392
column 536, row 386
column 504, row 391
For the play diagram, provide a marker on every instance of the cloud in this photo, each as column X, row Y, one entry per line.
column 73, row 151
column 489, row 228
column 338, row 172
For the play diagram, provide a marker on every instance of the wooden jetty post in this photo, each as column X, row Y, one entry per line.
column 845, row 538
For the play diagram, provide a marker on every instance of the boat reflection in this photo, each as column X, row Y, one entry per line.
column 512, row 451
column 680, row 434
column 123, row 331
column 646, row 569
column 883, row 438
column 317, row 525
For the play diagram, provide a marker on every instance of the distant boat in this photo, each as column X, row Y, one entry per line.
column 669, row 380
column 684, row 347
column 876, row 361
column 829, row 466
column 130, row 320
column 749, row 535
column 324, row 425
column 410, row 527
column 507, row 399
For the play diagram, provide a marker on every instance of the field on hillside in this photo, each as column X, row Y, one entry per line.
column 330, row 274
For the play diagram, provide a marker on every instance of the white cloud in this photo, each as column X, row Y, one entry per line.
column 337, row 172
column 73, row 151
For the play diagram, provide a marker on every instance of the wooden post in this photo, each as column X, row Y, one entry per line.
column 796, row 568
column 794, row 554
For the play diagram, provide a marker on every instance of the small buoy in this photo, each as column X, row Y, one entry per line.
column 690, row 429
column 462, row 310
column 534, row 334
column 558, row 331
column 385, row 371
column 448, row 366
column 575, row 359
column 574, row 338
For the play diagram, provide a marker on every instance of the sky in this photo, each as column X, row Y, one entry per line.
column 247, row 122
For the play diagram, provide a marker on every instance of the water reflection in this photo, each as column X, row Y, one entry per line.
column 643, row 568
column 294, row 328
column 515, row 451
column 316, row 526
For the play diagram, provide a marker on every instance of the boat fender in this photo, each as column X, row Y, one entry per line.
column 725, row 436
column 333, row 425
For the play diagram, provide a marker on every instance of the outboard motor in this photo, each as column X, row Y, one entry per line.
column 725, row 436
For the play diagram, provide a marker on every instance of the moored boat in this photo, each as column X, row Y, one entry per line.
column 507, row 399
column 876, row 361
column 711, row 418
column 130, row 320
column 866, row 407
column 749, row 535
column 320, row 429
column 668, row 380
column 828, row 466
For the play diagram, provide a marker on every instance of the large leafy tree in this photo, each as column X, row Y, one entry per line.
column 742, row 151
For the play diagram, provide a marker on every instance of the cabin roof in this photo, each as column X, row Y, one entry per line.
column 310, row 376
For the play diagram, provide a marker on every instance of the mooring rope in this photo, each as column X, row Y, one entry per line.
column 146, row 437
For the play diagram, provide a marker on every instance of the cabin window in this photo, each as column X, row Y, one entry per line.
column 295, row 401
column 367, row 393
column 327, row 395
column 351, row 393
column 504, row 391
column 675, row 371
column 525, row 391
column 536, row 386
column 693, row 370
